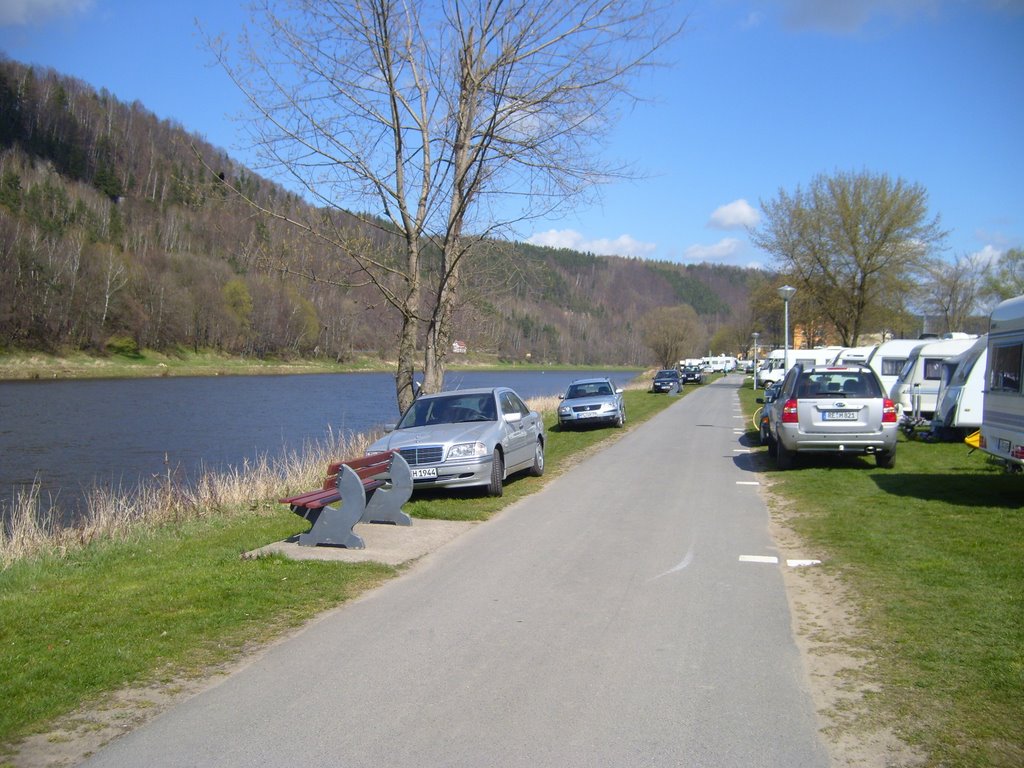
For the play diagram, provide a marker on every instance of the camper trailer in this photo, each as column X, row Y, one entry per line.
column 1002, row 422
column 855, row 355
column 961, row 392
column 890, row 357
column 916, row 389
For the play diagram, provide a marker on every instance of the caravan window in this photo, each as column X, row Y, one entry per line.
column 933, row 368
column 891, row 365
column 1005, row 370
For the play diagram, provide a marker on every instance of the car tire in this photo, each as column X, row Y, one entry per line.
column 537, row 469
column 620, row 421
column 886, row 459
column 783, row 456
column 496, row 486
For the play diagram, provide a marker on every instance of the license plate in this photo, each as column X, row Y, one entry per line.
column 586, row 415
column 839, row 415
column 423, row 473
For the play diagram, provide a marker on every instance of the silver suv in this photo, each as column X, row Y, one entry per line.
column 832, row 409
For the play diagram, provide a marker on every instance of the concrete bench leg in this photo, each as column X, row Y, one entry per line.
column 333, row 525
column 385, row 504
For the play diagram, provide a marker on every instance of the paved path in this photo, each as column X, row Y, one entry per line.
column 607, row 620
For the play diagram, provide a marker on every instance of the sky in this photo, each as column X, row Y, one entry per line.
column 761, row 96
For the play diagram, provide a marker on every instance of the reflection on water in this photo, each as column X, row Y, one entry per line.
column 71, row 435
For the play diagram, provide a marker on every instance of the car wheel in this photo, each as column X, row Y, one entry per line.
column 886, row 459
column 783, row 456
column 764, row 435
column 497, row 484
column 538, row 460
column 621, row 420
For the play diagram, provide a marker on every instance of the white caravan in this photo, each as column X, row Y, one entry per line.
column 961, row 392
column 1002, row 423
column 890, row 357
column 916, row 390
column 855, row 355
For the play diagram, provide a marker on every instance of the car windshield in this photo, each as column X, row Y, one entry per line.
column 838, row 384
column 449, row 409
column 666, row 375
column 590, row 389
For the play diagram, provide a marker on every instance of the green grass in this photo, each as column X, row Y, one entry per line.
column 180, row 600
column 934, row 549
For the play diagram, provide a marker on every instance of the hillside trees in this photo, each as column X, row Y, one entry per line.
column 447, row 121
column 853, row 245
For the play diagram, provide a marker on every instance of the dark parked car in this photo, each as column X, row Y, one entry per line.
column 591, row 402
column 691, row 373
column 832, row 409
column 666, row 380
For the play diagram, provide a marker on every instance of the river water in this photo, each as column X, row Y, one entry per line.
column 72, row 435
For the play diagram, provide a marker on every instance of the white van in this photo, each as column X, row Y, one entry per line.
column 961, row 392
column 774, row 368
column 890, row 357
column 1002, row 422
column 916, row 391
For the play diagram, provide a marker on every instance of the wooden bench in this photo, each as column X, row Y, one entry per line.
column 371, row 489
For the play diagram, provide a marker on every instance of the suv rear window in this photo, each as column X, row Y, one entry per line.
column 814, row 384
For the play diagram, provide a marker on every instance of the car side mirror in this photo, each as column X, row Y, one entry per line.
column 561, row 397
column 512, row 418
column 619, row 391
column 390, row 427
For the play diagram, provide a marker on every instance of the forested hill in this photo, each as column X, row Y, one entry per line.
column 114, row 232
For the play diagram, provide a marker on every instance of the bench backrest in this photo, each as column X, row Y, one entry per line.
column 367, row 467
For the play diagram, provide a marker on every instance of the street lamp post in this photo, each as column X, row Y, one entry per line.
column 786, row 293
column 755, row 336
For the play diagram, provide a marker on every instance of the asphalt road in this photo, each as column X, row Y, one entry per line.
column 607, row 620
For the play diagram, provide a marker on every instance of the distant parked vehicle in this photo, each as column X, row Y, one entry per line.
column 691, row 373
column 665, row 380
column 591, row 402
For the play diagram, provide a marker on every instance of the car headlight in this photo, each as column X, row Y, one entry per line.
column 467, row 451
column 564, row 411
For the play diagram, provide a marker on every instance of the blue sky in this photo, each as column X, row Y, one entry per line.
column 762, row 95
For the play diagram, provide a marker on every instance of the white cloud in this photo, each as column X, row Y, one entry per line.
column 987, row 256
column 623, row 245
column 738, row 214
column 724, row 251
column 25, row 12
column 846, row 16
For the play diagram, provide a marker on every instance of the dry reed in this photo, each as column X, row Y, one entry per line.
column 115, row 513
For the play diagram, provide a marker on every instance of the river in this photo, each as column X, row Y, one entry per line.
column 72, row 435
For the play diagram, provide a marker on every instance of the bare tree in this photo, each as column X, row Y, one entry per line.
column 672, row 332
column 449, row 122
column 852, row 243
column 951, row 290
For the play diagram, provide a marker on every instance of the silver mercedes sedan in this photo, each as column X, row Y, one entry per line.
column 468, row 437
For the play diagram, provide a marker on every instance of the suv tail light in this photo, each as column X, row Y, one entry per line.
column 888, row 411
column 789, row 414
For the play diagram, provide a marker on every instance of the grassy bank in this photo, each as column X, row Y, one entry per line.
column 22, row 366
column 155, row 596
column 934, row 550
